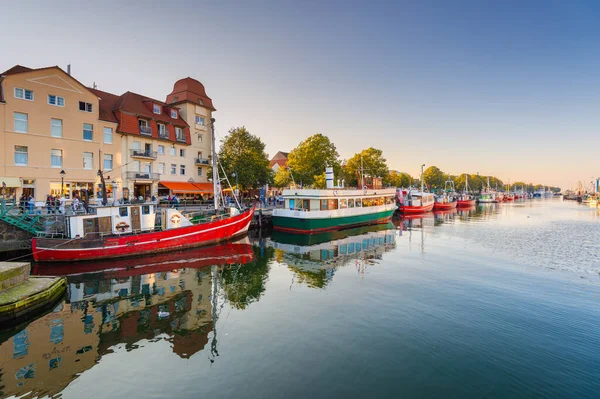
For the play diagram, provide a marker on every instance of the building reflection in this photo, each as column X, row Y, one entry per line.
column 315, row 258
column 165, row 297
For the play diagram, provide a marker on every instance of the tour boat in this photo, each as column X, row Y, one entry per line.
column 131, row 230
column 488, row 196
column 333, row 208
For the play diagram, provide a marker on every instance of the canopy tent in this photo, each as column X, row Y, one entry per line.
column 10, row 181
column 188, row 188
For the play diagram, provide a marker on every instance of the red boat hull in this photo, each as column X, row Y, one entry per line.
column 415, row 209
column 444, row 206
column 466, row 203
column 67, row 250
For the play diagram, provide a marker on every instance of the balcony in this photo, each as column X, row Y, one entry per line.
column 181, row 138
column 163, row 134
column 202, row 161
column 143, row 154
column 143, row 176
column 146, row 130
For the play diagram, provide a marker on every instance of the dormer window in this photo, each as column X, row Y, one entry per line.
column 174, row 114
column 156, row 109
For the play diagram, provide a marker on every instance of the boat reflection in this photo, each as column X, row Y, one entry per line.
column 315, row 258
column 128, row 304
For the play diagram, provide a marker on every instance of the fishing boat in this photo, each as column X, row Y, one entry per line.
column 488, row 196
column 413, row 201
column 118, row 231
column 447, row 200
column 316, row 210
column 465, row 200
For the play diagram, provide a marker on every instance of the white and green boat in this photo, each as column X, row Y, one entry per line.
column 334, row 208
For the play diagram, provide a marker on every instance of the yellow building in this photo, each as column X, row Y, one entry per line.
column 51, row 135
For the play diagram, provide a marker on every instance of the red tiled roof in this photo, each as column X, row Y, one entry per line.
column 190, row 90
column 108, row 102
column 142, row 106
column 17, row 69
column 280, row 162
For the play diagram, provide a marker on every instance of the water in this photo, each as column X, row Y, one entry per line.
column 498, row 301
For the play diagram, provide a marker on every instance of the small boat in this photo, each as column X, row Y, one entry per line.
column 313, row 210
column 447, row 200
column 414, row 201
column 489, row 196
column 465, row 200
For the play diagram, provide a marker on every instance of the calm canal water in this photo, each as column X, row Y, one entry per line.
column 497, row 301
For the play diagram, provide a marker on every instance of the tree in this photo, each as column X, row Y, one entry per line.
column 244, row 154
column 309, row 159
column 398, row 179
column 282, row 178
column 434, row 177
column 370, row 160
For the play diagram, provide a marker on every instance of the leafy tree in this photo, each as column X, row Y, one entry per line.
column 371, row 160
column 434, row 177
column 309, row 159
column 244, row 154
column 282, row 178
column 398, row 179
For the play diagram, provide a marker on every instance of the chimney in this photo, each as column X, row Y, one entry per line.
column 69, row 69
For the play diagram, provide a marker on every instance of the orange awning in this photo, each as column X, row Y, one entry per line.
column 186, row 187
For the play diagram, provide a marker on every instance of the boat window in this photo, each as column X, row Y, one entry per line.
column 358, row 203
column 389, row 200
column 351, row 203
column 123, row 211
column 343, row 203
column 306, row 205
column 323, row 205
column 332, row 204
column 369, row 202
column 146, row 209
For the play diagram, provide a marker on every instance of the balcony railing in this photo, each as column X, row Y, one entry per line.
column 143, row 176
column 201, row 161
column 147, row 130
column 181, row 138
column 143, row 154
column 163, row 134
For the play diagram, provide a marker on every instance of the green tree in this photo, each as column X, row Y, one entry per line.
column 398, row 179
column 434, row 177
column 282, row 178
column 370, row 160
column 244, row 154
column 309, row 159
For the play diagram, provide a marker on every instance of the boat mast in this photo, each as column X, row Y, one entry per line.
column 215, row 171
column 422, row 175
column 362, row 173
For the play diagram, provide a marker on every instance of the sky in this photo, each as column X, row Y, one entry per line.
column 504, row 88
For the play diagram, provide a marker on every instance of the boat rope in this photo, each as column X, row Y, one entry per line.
column 42, row 250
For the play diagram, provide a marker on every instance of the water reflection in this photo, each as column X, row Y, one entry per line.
column 315, row 258
column 173, row 297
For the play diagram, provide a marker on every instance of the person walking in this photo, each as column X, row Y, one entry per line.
column 62, row 201
column 48, row 204
column 56, row 201
column 31, row 204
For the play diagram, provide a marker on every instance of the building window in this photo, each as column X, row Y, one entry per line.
column 172, row 151
column 136, row 166
column 20, row 122
column 161, row 168
column 56, row 158
column 200, row 136
column 108, row 161
column 182, row 153
column 179, row 134
column 20, row 155
column 156, row 109
column 88, row 132
column 162, row 131
column 173, row 114
column 199, row 171
column 161, row 150
column 173, row 169
column 56, row 128
column 147, row 167
column 108, row 135
column 199, row 120
column 86, row 107
column 24, row 94
column 182, row 170
column 56, row 100
column 88, row 160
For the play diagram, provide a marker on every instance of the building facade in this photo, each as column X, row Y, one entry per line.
column 57, row 134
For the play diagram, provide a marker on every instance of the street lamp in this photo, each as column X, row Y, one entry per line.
column 62, row 182
column 234, row 174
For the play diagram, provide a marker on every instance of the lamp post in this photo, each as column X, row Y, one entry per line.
column 62, row 182
column 234, row 174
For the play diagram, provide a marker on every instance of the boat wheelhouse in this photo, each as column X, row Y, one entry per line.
column 314, row 210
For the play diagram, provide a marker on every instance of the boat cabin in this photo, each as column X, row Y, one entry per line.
column 307, row 200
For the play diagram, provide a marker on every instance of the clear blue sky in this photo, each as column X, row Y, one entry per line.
column 510, row 88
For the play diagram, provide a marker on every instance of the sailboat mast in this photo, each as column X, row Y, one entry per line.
column 422, row 182
column 214, row 165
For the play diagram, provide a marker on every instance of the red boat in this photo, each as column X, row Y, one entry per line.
column 444, row 204
column 129, row 230
column 415, row 202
